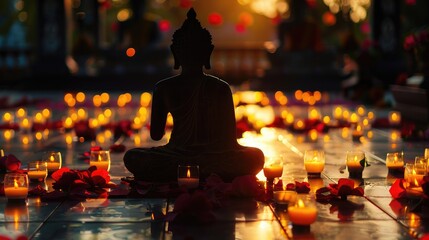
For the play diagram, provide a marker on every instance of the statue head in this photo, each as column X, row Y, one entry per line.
column 191, row 44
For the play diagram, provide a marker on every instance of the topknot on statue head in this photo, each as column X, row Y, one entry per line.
column 192, row 43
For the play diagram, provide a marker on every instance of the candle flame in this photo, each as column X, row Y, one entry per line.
column 416, row 183
column 188, row 173
column 15, row 183
column 51, row 158
column 99, row 158
column 355, row 159
column 37, row 166
column 300, row 203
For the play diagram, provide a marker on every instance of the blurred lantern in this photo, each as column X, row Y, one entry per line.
column 164, row 25
column 245, row 18
column 240, row 27
column 329, row 19
column 215, row 19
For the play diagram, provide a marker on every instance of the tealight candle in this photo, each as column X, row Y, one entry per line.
column 15, row 185
column 357, row 133
column 284, row 197
column 314, row 162
column 37, row 171
column 394, row 118
column 303, row 211
column 299, row 125
column 273, row 167
column 100, row 159
column 355, row 162
column 395, row 162
column 188, row 176
column 53, row 161
column 414, row 174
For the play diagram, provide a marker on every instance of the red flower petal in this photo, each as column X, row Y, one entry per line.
column 303, row 187
column 290, row 186
column 95, row 148
column 12, row 163
column 117, row 148
column 397, row 190
column 59, row 173
column 345, row 186
column 37, row 191
column 100, row 177
column 182, row 202
column 245, row 186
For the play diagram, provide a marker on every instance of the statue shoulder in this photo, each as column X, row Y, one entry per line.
column 166, row 82
column 217, row 81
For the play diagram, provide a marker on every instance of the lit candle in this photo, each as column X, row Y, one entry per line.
column 394, row 118
column 188, row 176
column 414, row 174
column 100, row 159
column 299, row 125
column 54, row 161
column 314, row 162
column 273, row 171
column 16, row 186
column 284, row 197
column 355, row 163
column 337, row 113
column 395, row 162
column 357, row 133
column 37, row 171
column 303, row 212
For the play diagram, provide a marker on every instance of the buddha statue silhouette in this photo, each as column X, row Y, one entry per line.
column 204, row 125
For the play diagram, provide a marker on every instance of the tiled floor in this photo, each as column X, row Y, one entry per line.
column 374, row 216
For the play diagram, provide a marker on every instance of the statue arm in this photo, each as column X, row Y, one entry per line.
column 230, row 114
column 158, row 116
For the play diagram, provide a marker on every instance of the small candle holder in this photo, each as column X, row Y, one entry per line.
column 16, row 186
column 357, row 133
column 413, row 174
column 303, row 211
column 284, row 197
column 53, row 161
column 395, row 163
column 355, row 163
column 188, row 176
column 37, row 171
column 314, row 162
column 100, row 159
column 273, row 167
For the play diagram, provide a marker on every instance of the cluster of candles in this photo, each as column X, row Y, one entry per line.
column 415, row 172
column 16, row 184
column 301, row 208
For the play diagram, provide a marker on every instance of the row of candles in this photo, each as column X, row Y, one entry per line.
column 302, row 208
column 16, row 185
